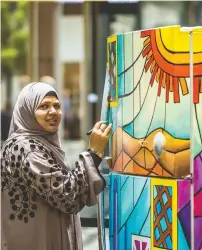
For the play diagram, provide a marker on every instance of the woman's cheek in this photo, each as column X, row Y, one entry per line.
column 60, row 115
column 41, row 115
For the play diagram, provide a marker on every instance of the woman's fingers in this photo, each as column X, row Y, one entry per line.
column 108, row 130
column 98, row 124
column 103, row 127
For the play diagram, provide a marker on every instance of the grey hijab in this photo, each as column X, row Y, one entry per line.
column 24, row 122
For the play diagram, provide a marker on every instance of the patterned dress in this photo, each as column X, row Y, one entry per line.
column 41, row 199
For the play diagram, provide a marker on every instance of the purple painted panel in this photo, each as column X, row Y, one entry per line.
column 198, row 233
column 197, row 187
column 183, row 193
column 198, row 172
column 185, row 218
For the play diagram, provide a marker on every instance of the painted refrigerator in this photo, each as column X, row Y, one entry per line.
column 153, row 98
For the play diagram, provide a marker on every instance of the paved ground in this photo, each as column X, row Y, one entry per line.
column 90, row 238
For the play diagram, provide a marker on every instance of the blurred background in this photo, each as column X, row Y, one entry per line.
column 64, row 43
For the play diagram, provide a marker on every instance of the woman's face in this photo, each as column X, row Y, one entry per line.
column 48, row 114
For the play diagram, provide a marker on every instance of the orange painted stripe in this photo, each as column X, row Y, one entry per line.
column 160, row 83
column 149, row 54
column 176, row 90
column 152, row 66
column 167, row 87
column 164, row 80
column 196, row 90
column 184, row 87
column 153, row 75
column 147, row 41
column 145, row 33
column 149, row 63
column 171, row 84
column 146, row 50
column 158, row 74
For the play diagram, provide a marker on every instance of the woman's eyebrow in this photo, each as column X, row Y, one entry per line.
column 48, row 102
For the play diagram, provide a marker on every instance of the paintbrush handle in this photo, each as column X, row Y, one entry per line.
column 90, row 132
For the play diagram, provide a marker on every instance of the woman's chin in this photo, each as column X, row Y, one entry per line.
column 51, row 129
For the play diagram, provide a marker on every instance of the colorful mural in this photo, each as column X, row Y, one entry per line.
column 152, row 92
column 157, row 132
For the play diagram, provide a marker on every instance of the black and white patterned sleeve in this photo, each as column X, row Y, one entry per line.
column 38, row 172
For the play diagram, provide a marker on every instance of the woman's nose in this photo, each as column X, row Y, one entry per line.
column 52, row 110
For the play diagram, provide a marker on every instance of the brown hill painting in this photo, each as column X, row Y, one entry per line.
column 136, row 156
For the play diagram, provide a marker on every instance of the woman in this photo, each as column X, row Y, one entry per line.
column 41, row 196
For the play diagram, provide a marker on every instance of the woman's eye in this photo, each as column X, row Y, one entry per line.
column 44, row 106
column 57, row 106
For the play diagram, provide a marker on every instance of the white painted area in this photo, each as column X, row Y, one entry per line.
column 136, row 102
column 71, row 38
column 142, row 121
column 178, row 115
column 127, row 46
column 159, row 143
column 137, row 44
column 144, row 85
column 127, row 103
column 138, row 68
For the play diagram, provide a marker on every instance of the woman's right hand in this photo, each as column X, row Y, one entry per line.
column 100, row 137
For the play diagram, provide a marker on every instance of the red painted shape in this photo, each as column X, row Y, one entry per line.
column 146, row 50
column 145, row 33
column 176, row 90
column 154, row 74
column 160, row 83
column 196, row 90
column 167, row 88
column 149, row 63
column 198, row 204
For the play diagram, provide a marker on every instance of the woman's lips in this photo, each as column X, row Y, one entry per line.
column 52, row 121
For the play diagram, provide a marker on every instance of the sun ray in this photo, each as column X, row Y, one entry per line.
column 154, row 75
column 147, row 41
column 171, row 83
column 160, row 83
column 196, row 90
column 149, row 54
column 167, row 87
column 152, row 66
column 176, row 90
column 146, row 50
column 164, row 80
column 149, row 62
column 184, row 87
column 158, row 75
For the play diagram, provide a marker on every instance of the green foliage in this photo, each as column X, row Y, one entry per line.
column 14, row 37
